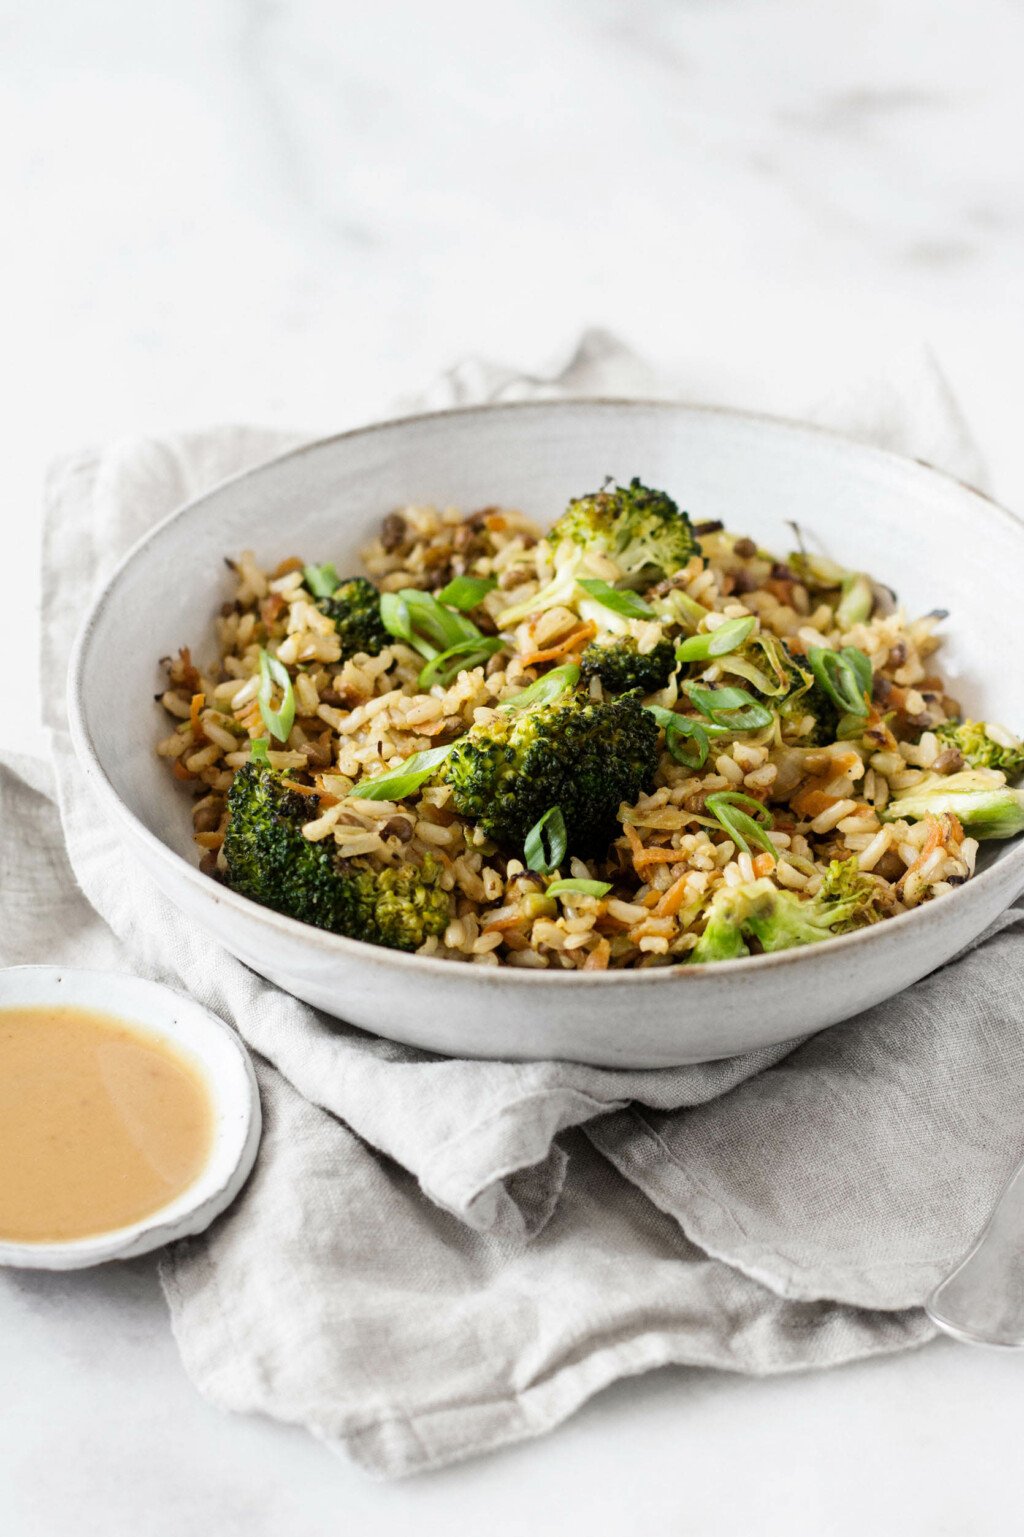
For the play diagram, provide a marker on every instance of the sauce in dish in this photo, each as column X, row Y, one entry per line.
column 101, row 1123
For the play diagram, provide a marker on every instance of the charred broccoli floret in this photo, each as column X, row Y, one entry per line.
column 642, row 531
column 583, row 757
column 354, row 606
column 978, row 749
column 787, row 684
column 636, row 527
column 780, row 920
column 622, row 667
column 272, row 862
column 980, row 798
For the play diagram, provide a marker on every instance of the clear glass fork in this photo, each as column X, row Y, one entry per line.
column 982, row 1301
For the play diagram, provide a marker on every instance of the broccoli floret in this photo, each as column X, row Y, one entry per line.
column 978, row 749
column 642, row 531
column 621, row 666
column 780, row 920
column 722, row 939
column 270, row 861
column 354, row 607
column 583, row 757
column 980, row 798
column 639, row 529
column 795, row 692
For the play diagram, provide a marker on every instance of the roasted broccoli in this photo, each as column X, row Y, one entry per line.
column 583, row 757
column 787, row 684
column 642, row 531
column 621, row 666
column 354, row 607
column 780, row 920
column 272, row 862
column 978, row 749
column 980, row 798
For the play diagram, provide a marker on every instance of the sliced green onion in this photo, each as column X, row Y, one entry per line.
column 727, row 637
column 725, row 806
column 396, row 618
column 545, row 690
column 465, row 592
column 424, row 623
column 258, row 750
column 397, row 783
column 845, row 676
column 680, row 731
column 728, row 709
column 322, row 581
column 619, row 602
column 462, row 657
column 585, row 888
column 278, row 722
column 857, row 601
column 545, row 843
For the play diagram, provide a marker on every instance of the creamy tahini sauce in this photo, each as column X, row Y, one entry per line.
column 100, row 1124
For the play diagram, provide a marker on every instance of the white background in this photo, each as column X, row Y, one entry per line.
column 295, row 213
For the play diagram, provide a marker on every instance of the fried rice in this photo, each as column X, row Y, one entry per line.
column 359, row 717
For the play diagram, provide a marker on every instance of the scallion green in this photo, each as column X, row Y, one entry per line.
column 462, row 657
column 620, row 602
column 545, row 844
column 397, row 783
column 278, row 722
column 728, row 709
column 465, row 592
column 686, row 740
column 584, row 888
column 545, row 690
column 726, row 808
column 727, row 637
column 424, row 623
column 322, row 581
column 845, row 676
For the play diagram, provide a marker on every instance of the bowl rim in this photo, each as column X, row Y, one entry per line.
column 357, row 949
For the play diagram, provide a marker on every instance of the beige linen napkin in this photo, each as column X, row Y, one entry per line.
column 435, row 1257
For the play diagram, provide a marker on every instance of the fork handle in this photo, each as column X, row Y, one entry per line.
column 982, row 1301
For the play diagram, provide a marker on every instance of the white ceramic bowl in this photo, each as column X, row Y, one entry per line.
column 940, row 543
column 217, row 1054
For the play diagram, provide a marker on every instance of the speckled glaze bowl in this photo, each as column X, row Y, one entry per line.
column 939, row 543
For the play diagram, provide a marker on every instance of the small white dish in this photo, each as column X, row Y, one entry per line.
column 219, row 1057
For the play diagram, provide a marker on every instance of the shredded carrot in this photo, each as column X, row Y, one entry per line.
column 293, row 563
column 198, row 734
column 179, row 770
column 498, row 925
column 764, row 864
column 495, row 523
column 651, row 899
column 208, row 840
column 597, row 960
column 185, row 670
column 271, row 607
column 572, row 642
column 290, row 784
column 643, row 857
column 812, row 801
column 672, row 899
column 937, row 830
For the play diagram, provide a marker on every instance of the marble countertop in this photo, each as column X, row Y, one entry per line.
column 295, row 212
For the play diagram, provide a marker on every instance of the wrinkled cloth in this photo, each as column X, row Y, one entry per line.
column 434, row 1257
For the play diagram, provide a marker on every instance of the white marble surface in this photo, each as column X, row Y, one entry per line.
column 295, row 212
